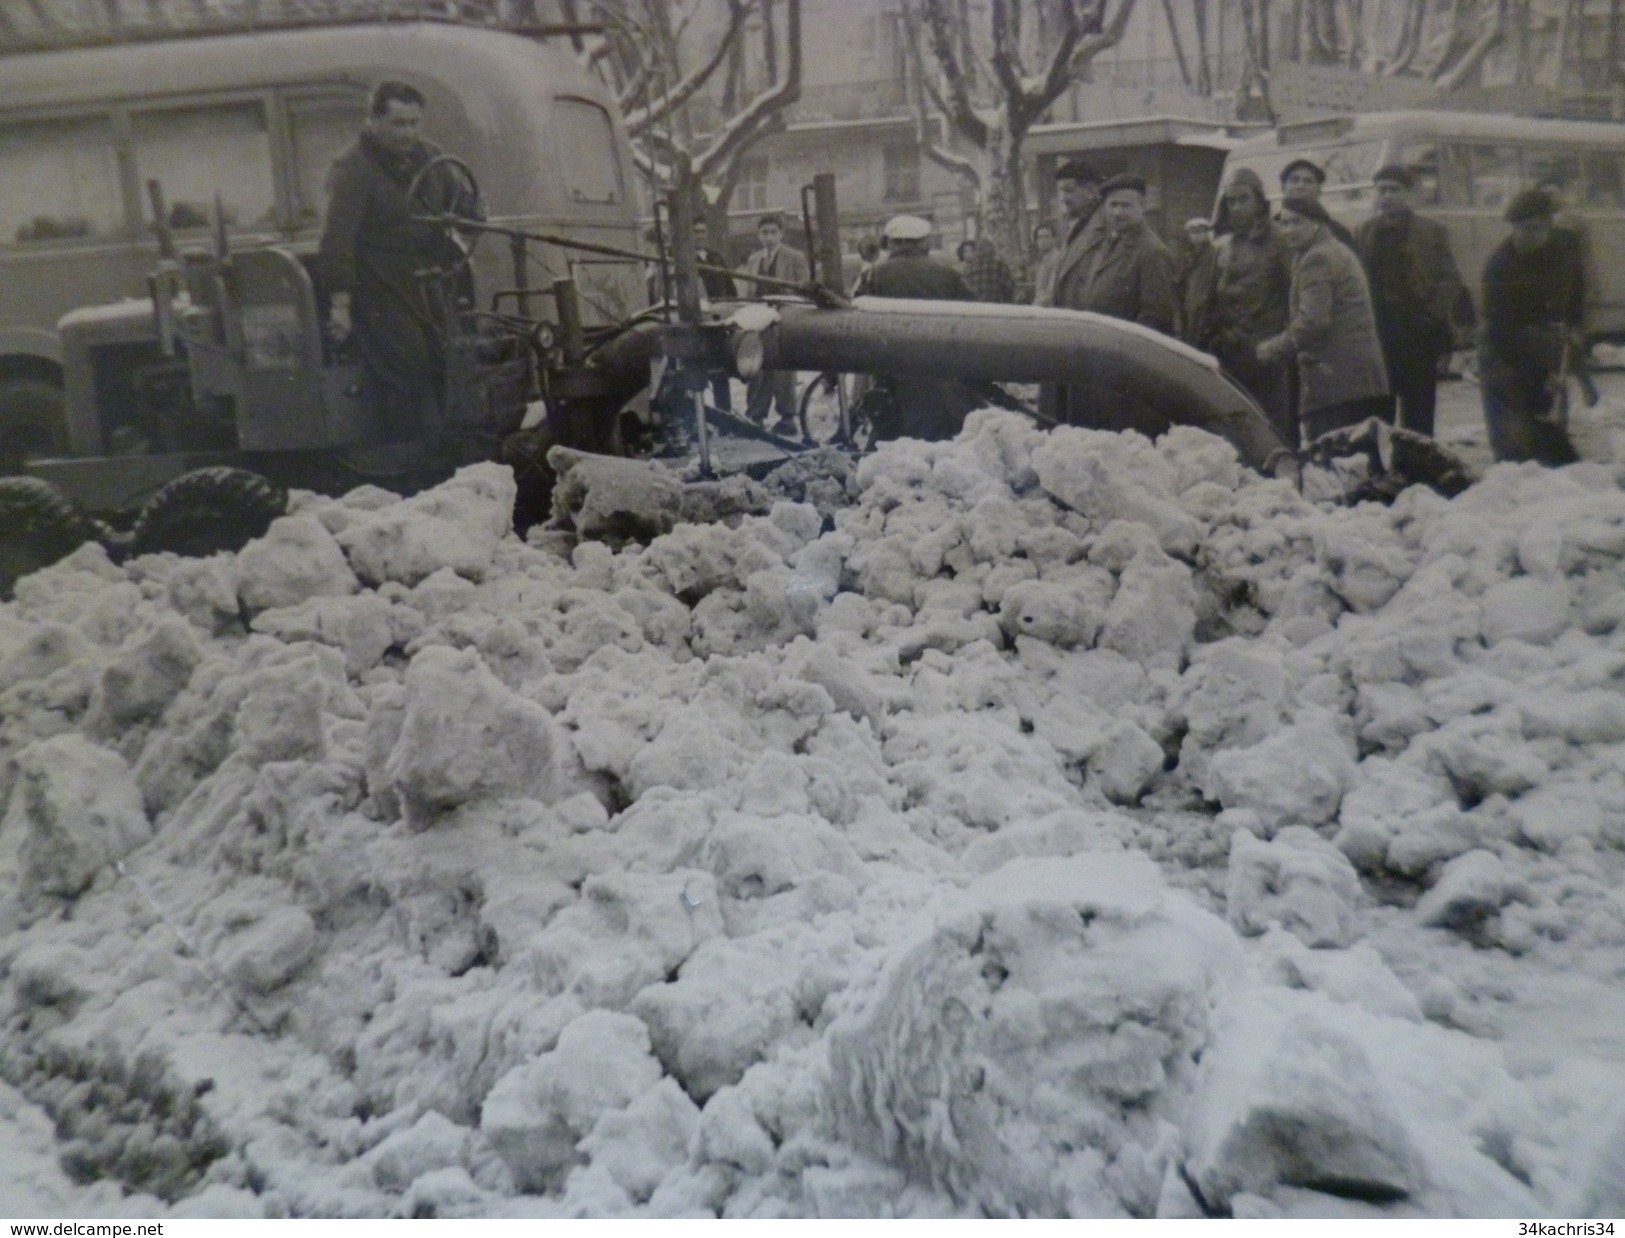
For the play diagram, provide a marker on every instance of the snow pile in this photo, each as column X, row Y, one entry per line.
column 1061, row 824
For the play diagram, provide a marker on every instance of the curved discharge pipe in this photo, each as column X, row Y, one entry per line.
column 1115, row 369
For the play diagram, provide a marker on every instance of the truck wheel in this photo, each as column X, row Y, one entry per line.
column 208, row 510
column 38, row 526
column 33, row 421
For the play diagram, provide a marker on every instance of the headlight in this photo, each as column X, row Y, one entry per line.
column 544, row 336
column 747, row 354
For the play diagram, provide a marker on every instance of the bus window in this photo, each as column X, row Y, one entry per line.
column 1496, row 175
column 1603, row 184
column 321, row 128
column 585, row 142
column 196, row 152
column 58, row 179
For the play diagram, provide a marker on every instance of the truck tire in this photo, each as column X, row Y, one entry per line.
column 208, row 510
column 38, row 526
column 33, row 421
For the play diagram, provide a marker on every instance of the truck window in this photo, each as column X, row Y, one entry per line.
column 196, row 152
column 1603, row 185
column 58, row 180
column 321, row 128
column 1497, row 175
column 588, row 166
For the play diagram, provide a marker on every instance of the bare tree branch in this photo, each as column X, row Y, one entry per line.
column 1111, row 34
column 1448, row 78
column 922, row 97
column 957, row 105
column 751, row 124
column 640, row 119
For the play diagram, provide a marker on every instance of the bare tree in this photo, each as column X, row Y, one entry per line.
column 685, row 84
column 979, row 81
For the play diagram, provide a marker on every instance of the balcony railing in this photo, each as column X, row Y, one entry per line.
column 835, row 101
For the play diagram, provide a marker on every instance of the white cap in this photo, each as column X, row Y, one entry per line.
column 1198, row 221
column 907, row 228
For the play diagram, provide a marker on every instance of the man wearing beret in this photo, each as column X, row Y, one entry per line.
column 1415, row 288
column 1534, row 300
column 1301, row 181
column 1132, row 275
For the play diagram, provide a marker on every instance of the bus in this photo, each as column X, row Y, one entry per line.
column 258, row 118
column 1467, row 166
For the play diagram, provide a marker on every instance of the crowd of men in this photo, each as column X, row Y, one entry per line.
column 1324, row 327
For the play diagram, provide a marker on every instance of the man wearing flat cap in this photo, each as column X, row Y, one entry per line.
column 1132, row 275
column 1534, row 301
column 1415, row 290
column 1302, row 181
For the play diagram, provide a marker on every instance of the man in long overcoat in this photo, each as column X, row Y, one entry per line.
column 1415, row 289
column 1132, row 275
column 372, row 250
column 1330, row 329
column 1534, row 303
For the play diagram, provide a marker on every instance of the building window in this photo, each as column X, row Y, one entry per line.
column 902, row 164
column 750, row 190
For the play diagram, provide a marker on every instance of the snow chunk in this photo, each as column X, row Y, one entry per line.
column 296, row 560
column 639, row 1145
column 536, row 1113
column 457, row 525
column 611, row 499
column 1006, row 1048
column 1472, row 889
column 1288, row 1096
column 81, row 808
column 466, row 737
column 1295, row 777
column 1526, row 608
column 269, row 952
column 1298, row 880
column 141, row 680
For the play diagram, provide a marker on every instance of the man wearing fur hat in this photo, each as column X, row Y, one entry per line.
column 1415, row 290
column 1534, row 299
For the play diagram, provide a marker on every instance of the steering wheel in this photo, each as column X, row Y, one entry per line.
column 437, row 193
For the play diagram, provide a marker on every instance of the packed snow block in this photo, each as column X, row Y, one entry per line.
column 265, row 954
column 457, row 525
column 1365, row 559
column 296, row 560
column 1065, row 612
column 360, row 626
column 628, row 931
column 1385, row 798
column 1198, row 457
column 143, row 677
column 432, row 1143
column 34, row 651
column 1357, row 976
column 281, row 714
column 1287, row 1096
column 691, row 753
column 606, row 498
column 1532, row 609
column 1471, row 891
column 1297, row 880
column 1108, row 476
column 1019, row 1045
column 466, row 737
column 849, row 685
column 80, row 808
column 1125, row 763
column 639, row 1145
column 693, row 560
column 731, row 1002
column 1152, row 616
column 1295, row 777
column 536, row 1114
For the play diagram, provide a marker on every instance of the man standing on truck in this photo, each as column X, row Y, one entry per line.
column 372, row 250
column 1534, row 299
column 1415, row 288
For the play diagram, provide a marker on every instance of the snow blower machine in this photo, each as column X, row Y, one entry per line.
column 193, row 412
